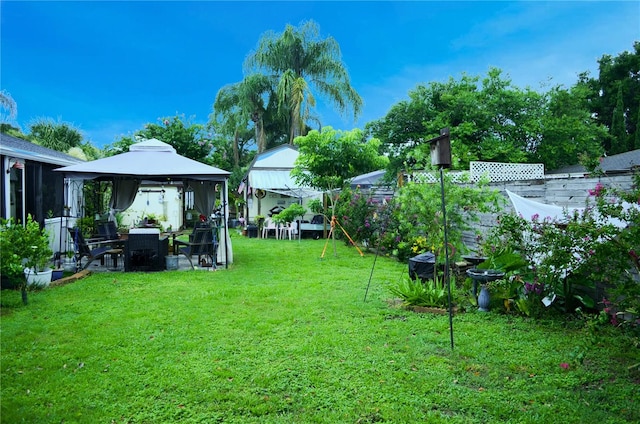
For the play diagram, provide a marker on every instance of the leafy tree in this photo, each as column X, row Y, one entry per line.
column 301, row 63
column 567, row 131
column 489, row 120
column 328, row 159
column 63, row 137
column 618, row 130
column 58, row 136
column 189, row 140
column 120, row 145
column 13, row 131
column 402, row 130
column 615, row 73
column 636, row 142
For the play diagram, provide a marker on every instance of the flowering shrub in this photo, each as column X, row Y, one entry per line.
column 582, row 256
column 361, row 216
column 417, row 216
column 411, row 222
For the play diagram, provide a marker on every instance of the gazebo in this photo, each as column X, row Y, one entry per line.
column 155, row 161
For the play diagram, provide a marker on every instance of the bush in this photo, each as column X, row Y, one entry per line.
column 418, row 293
column 417, row 216
column 361, row 216
column 584, row 256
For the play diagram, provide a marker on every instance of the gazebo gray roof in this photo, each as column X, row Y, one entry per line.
column 150, row 160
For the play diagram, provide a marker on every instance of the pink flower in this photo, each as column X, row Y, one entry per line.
column 564, row 365
column 597, row 190
column 166, row 122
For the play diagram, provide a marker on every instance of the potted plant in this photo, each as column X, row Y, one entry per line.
column 69, row 262
column 25, row 255
column 37, row 253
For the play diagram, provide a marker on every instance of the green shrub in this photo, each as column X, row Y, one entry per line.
column 585, row 254
column 418, row 293
column 417, row 213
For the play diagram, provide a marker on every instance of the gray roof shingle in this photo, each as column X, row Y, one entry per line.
column 16, row 147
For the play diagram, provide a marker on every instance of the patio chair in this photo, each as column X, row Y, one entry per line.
column 291, row 230
column 84, row 249
column 108, row 231
column 269, row 225
column 201, row 245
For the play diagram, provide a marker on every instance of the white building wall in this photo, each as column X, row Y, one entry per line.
column 163, row 203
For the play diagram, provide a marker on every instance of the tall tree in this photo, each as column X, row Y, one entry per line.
column 8, row 116
column 328, row 159
column 622, row 71
column 245, row 101
column 636, row 139
column 618, row 127
column 489, row 119
column 63, row 137
column 568, row 134
column 58, row 136
column 300, row 63
column 190, row 140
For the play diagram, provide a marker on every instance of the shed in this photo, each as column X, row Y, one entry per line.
column 268, row 185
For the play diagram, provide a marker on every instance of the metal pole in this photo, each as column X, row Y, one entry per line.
column 446, row 255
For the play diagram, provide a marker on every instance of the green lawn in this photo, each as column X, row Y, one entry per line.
column 283, row 336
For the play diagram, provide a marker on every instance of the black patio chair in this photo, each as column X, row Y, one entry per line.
column 201, row 244
column 108, row 231
column 84, row 249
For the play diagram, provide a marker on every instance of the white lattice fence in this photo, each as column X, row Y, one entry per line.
column 434, row 177
column 498, row 171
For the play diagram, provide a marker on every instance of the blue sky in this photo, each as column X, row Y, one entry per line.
column 110, row 67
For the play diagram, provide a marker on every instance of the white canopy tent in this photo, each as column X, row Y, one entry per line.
column 153, row 160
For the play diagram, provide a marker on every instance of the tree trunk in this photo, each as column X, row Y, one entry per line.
column 236, row 154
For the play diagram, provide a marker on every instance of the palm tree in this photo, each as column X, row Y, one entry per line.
column 244, row 101
column 300, row 62
column 7, row 103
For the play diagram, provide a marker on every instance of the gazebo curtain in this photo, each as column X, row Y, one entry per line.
column 204, row 196
column 123, row 194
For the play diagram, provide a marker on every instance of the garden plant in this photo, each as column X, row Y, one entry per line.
column 585, row 260
column 22, row 246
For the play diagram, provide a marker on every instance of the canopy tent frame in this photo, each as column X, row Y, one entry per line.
column 155, row 161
